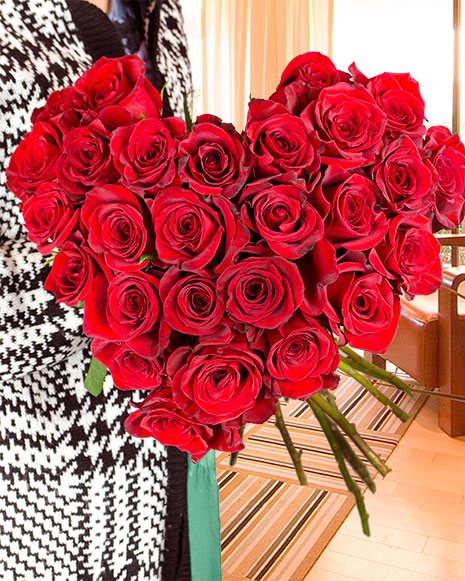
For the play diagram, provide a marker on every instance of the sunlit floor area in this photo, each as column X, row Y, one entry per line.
column 417, row 515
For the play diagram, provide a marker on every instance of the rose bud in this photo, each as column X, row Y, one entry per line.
column 280, row 142
column 349, row 123
column 127, row 309
column 118, row 226
column 192, row 232
column 212, row 158
column 410, row 254
column 190, row 303
column 219, row 382
column 398, row 95
column 118, row 81
column 34, row 160
column 448, row 159
column 405, row 180
column 170, row 426
column 263, row 292
column 145, row 153
column 49, row 217
column 303, row 358
column 72, row 274
column 351, row 202
column 284, row 218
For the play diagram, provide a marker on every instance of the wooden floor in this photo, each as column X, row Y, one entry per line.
column 417, row 515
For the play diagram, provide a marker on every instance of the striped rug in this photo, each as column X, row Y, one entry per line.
column 272, row 528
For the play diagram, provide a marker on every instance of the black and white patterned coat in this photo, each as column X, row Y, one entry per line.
column 79, row 498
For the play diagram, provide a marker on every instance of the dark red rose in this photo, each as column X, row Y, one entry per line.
column 302, row 359
column 410, row 254
column 398, row 95
column 192, row 232
column 49, row 217
column 127, row 309
column 118, row 81
column 212, row 158
column 128, row 369
column 263, row 292
column 368, row 308
column 145, row 153
column 281, row 143
column 314, row 69
column 351, row 204
column 405, row 180
column 448, row 159
column 349, row 123
column 72, row 274
column 284, row 218
column 57, row 102
column 118, row 226
column 190, row 303
column 217, row 383
column 34, row 160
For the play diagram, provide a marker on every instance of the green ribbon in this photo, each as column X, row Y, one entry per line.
column 203, row 512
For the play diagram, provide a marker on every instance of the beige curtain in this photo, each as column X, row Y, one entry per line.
column 247, row 43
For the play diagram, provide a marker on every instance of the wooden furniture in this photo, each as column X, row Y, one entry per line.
column 430, row 342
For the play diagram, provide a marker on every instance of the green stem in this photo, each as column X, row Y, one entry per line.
column 350, row 482
column 438, row 394
column 293, row 453
column 234, row 455
column 369, row 368
column 351, row 431
column 345, row 366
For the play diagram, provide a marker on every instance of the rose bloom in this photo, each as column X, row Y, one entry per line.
column 190, row 302
column 303, row 358
column 118, row 226
column 404, row 178
column 448, row 158
column 263, row 292
column 279, row 141
column 49, row 217
column 57, row 102
column 127, row 309
column 145, row 153
column 193, row 232
column 72, row 274
column 283, row 217
column 410, row 253
column 212, row 158
column 351, row 205
column 349, row 123
column 120, row 82
column 34, row 160
column 314, row 69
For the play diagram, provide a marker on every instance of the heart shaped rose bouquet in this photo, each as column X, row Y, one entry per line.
column 221, row 271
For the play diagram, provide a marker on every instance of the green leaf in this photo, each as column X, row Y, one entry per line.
column 95, row 377
column 53, row 254
column 150, row 256
column 143, row 116
column 80, row 305
column 187, row 114
column 162, row 92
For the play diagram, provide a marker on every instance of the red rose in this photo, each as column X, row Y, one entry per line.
column 213, row 159
column 263, row 292
column 192, row 232
column 314, row 69
column 405, row 180
column 220, row 382
column 283, row 217
column 302, row 358
column 34, row 160
column 127, row 309
column 190, row 303
column 72, row 274
column 368, row 308
column 448, row 159
column 349, row 123
column 57, row 102
column 398, row 95
column 49, row 217
column 281, row 143
column 118, row 81
column 145, row 153
column 350, row 202
column 410, row 254
column 118, row 226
